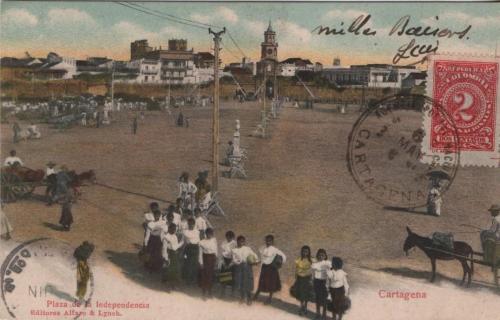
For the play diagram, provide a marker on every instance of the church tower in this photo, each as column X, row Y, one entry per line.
column 269, row 48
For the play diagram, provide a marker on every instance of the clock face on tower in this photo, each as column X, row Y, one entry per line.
column 269, row 51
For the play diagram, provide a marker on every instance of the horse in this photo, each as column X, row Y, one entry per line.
column 77, row 180
column 461, row 250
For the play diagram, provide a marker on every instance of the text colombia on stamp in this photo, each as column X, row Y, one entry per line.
column 467, row 89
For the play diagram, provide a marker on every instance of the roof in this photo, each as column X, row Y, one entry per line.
column 269, row 28
column 18, row 63
column 205, row 55
column 297, row 60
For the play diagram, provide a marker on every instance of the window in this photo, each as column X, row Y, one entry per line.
column 146, row 79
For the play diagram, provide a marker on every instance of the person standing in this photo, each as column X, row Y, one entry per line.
column 226, row 269
column 83, row 274
column 303, row 274
column 98, row 119
column 494, row 231
column 187, row 191
column 191, row 253
column 16, row 130
column 320, row 268
column 66, row 219
column 62, row 182
column 208, row 258
column 170, row 252
column 272, row 258
column 180, row 120
column 434, row 199
column 5, row 227
column 134, row 125
column 243, row 260
column 338, row 287
column 51, row 180
column 153, row 242
column 200, row 223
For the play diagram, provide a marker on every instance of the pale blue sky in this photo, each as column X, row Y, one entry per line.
column 81, row 29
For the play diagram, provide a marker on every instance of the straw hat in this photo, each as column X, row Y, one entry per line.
column 494, row 208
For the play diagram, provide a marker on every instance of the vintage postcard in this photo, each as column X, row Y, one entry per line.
column 249, row 160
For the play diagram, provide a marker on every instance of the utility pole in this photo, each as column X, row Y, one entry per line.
column 113, row 87
column 215, row 112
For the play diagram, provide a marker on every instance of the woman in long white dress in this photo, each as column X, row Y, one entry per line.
column 5, row 227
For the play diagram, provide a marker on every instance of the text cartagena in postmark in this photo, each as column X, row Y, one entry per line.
column 384, row 152
column 467, row 89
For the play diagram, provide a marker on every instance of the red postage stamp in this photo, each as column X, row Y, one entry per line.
column 466, row 90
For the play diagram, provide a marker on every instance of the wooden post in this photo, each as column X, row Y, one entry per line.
column 215, row 112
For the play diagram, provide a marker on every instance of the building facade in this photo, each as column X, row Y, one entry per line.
column 370, row 75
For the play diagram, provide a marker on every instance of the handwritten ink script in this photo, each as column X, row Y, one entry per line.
column 403, row 27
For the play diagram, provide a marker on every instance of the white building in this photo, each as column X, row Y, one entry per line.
column 288, row 69
column 370, row 75
column 149, row 71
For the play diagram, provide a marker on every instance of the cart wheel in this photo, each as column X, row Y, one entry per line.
column 11, row 186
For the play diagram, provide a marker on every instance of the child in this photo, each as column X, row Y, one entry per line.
column 170, row 252
column 243, row 259
column 148, row 216
column 269, row 279
column 178, row 206
column 66, row 215
column 339, row 288
column 303, row 273
column 320, row 267
column 191, row 253
column 208, row 258
column 226, row 255
column 201, row 224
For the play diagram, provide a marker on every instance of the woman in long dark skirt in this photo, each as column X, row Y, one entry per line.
column 208, row 258
column 153, row 243
column 172, row 266
column 191, row 264
column 303, row 274
column 66, row 215
column 339, row 288
column 269, row 279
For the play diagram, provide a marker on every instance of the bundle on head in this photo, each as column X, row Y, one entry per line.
column 84, row 251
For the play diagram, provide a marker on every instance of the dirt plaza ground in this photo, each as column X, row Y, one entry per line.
column 298, row 189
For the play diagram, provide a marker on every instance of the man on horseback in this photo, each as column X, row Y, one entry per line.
column 494, row 231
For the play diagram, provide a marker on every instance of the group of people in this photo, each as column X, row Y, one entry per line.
column 316, row 279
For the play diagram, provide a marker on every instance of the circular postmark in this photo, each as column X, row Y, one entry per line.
column 39, row 280
column 386, row 157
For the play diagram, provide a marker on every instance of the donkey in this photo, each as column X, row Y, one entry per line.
column 461, row 251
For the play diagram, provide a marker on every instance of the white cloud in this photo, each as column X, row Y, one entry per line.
column 228, row 14
column 461, row 17
column 19, row 17
column 200, row 17
column 254, row 27
column 344, row 14
column 69, row 17
column 290, row 32
column 170, row 31
column 129, row 31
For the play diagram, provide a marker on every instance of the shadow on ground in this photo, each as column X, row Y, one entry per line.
column 426, row 275
column 53, row 226
column 58, row 293
column 133, row 269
